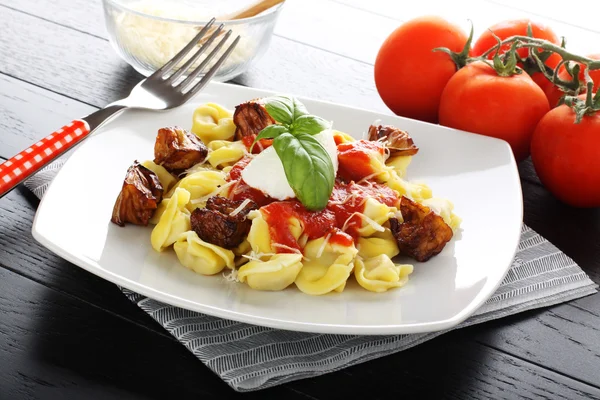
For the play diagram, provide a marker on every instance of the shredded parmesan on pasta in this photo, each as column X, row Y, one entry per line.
column 257, row 256
column 239, row 208
column 368, row 220
column 197, row 168
column 232, row 276
column 322, row 248
column 366, row 178
column 283, row 246
column 296, row 251
column 387, row 152
column 213, row 193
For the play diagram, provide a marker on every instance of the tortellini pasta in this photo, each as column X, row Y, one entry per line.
column 213, row 122
column 165, row 178
column 378, row 243
column 445, row 209
column 379, row 274
column 399, row 164
column 174, row 220
column 225, row 153
column 413, row 190
column 341, row 137
column 357, row 240
column 202, row 257
column 374, row 212
column 277, row 273
column 326, row 267
column 259, row 236
column 199, row 185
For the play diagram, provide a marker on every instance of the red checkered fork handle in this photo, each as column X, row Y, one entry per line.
column 32, row 159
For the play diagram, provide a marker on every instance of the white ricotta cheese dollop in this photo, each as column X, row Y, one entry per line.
column 265, row 172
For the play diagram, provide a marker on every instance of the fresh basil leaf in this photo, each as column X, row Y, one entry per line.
column 308, row 168
column 299, row 108
column 309, row 124
column 284, row 109
column 280, row 108
column 269, row 132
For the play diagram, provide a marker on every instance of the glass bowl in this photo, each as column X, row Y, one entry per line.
column 148, row 33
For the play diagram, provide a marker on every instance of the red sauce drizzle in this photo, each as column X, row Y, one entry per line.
column 346, row 199
column 355, row 159
column 330, row 220
column 316, row 224
column 264, row 143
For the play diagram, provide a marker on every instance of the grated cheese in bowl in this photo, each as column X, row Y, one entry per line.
column 148, row 33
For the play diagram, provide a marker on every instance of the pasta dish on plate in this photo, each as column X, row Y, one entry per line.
column 272, row 197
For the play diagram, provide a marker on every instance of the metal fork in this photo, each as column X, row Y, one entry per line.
column 165, row 89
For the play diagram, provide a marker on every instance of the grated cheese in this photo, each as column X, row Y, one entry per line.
column 322, row 248
column 216, row 192
column 232, row 276
column 239, row 208
column 283, row 246
column 374, row 225
column 154, row 42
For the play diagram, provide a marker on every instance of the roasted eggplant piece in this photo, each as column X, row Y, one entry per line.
column 396, row 140
column 250, row 118
column 139, row 198
column 215, row 224
column 423, row 234
column 176, row 149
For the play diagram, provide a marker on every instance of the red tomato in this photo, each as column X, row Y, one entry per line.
column 409, row 76
column 554, row 93
column 506, row 29
column 566, row 156
column 477, row 100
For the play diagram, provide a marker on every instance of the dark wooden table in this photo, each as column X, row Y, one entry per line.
column 65, row 333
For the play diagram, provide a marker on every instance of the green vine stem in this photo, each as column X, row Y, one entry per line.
column 571, row 86
column 581, row 107
column 529, row 42
column 460, row 59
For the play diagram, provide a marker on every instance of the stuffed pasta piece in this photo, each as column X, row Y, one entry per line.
column 213, row 122
column 174, row 221
column 202, row 257
column 327, row 266
column 277, row 273
column 379, row 273
column 224, row 153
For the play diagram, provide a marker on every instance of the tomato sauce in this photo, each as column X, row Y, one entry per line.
column 350, row 198
column 315, row 224
column 345, row 200
column 355, row 159
column 258, row 147
column 339, row 219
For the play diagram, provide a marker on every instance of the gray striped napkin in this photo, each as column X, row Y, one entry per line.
column 249, row 357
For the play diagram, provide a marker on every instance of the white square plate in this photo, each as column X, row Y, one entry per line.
column 477, row 173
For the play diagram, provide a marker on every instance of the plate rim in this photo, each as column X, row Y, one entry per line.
column 393, row 329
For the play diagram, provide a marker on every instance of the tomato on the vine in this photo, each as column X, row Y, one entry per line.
column 566, row 156
column 478, row 100
column 409, row 76
column 554, row 94
column 506, row 29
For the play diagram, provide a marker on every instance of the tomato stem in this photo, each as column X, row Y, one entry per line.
column 540, row 50
column 460, row 59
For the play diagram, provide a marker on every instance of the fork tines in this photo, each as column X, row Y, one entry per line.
column 187, row 86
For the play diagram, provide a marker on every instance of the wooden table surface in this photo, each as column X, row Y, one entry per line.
column 65, row 333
